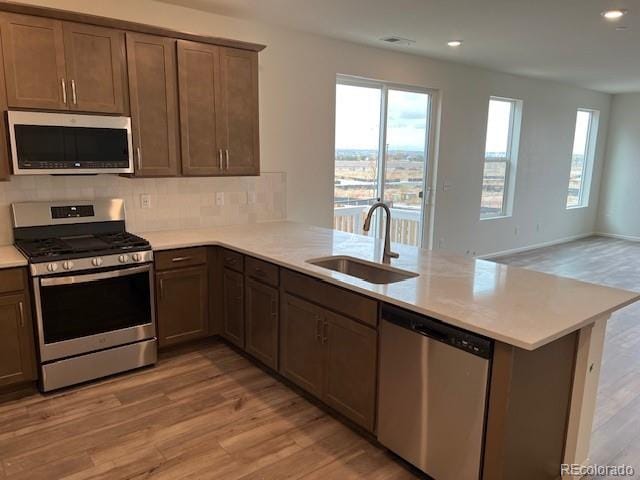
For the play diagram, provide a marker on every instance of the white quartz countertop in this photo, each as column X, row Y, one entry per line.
column 519, row 307
column 10, row 257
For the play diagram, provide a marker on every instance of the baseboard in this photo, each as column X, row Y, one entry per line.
column 526, row 248
column 631, row 238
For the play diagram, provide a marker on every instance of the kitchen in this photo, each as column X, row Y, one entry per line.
column 149, row 201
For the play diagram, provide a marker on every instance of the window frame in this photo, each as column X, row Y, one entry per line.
column 589, row 158
column 510, row 160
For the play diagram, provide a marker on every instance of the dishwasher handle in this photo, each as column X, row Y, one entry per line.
column 439, row 331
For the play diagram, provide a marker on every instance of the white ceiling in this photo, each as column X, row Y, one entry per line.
column 565, row 40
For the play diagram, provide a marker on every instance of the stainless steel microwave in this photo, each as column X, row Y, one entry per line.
column 66, row 143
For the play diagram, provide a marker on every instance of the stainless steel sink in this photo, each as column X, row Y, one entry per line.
column 368, row 271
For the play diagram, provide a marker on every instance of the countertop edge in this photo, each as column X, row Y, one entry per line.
column 413, row 308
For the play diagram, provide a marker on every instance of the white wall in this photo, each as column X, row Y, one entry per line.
column 297, row 94
column 620, row 197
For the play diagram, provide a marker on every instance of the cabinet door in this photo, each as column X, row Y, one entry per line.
column 17, row 351
column 153, row 94
column 233, row 306
column 350, row 385
column 238, row 111
column 261, row 307
column 182, row 299
column 302, row 358
column 34, row 63
column 95, row 60
column 198, row 66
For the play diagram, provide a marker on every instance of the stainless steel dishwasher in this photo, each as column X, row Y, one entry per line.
column 433, row 388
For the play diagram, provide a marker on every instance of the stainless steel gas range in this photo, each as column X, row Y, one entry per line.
column 92, row 289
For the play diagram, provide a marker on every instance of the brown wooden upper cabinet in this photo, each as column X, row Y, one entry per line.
column 153, row 91
column 55, row 65
column 218, row 98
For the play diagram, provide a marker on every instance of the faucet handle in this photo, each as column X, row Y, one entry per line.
column 393, row 255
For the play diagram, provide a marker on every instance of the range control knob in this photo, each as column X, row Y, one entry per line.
column 96, row 262
column 68, row 265
column 136, row 257
column 52, row 267
column 123, row 258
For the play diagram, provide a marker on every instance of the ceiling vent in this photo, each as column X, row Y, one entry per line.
column 398, row 40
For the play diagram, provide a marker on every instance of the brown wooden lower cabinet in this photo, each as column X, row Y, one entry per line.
column 261, row 323
column 182, row 300
column 233, row 306
column 351, row 363
column 301, row 348
column 17, row 349
column 331, row 357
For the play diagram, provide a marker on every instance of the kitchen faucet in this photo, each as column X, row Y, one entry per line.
column 387, row 254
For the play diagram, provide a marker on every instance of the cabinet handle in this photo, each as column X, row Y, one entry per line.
column 325, row 332
column 74, row 96
column 220, row 158
column 318, row 329
column 230, row 260
column 259, row 272
column 161, row 289
column 227, row 155
column 139, row 152
column 64, row 90
column 21, row 308
column 180, row 259
column 274, row 309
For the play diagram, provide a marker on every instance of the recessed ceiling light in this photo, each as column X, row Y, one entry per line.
column 614, row 14
column 454, row 43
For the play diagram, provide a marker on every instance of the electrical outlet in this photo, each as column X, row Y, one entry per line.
column 441, row 243
column 220, row 199
column 537, row 227
column 251, row 198
column 516, row 231
column 145, row 200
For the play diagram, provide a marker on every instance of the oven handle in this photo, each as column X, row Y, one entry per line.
column 93, row 277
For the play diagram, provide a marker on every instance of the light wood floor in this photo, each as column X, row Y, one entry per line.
column 606, row 261
column 207, row 412
column 203, row 413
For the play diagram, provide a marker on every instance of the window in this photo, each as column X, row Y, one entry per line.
column 381, row 153
column 584, row 147
column 501, row 148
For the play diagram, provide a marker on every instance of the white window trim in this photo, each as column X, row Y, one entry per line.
column 590, row 156
column 513, row 149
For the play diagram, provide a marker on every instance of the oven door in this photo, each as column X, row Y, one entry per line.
column 94, row 311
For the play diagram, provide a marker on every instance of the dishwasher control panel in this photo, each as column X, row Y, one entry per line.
column 439, row 331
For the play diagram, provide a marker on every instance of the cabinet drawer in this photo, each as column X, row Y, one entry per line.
column 232, row 260
column 334, row 298
column 12, row 280
column 262, row 271
column 182, row 257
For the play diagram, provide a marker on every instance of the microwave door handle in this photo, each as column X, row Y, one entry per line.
column 93, row 277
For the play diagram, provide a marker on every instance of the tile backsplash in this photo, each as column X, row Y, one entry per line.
column 175, row 203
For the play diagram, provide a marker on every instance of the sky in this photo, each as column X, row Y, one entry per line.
column 358, row 118
column 358, row 121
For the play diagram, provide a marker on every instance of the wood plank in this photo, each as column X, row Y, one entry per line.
column 203, row 412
